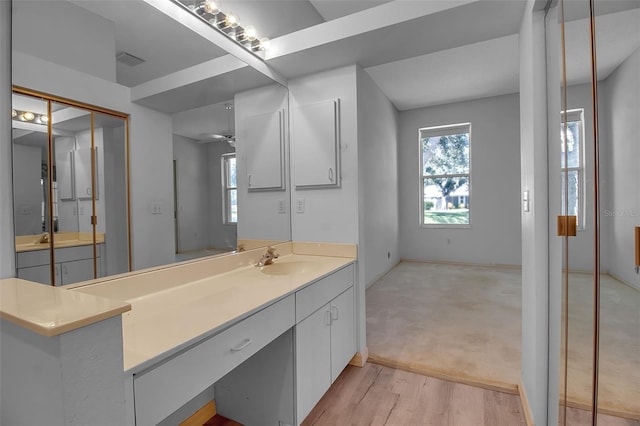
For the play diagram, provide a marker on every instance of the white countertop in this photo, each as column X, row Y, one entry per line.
column 51, row 311
column 163, row 322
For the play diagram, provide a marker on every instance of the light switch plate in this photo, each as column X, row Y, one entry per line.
column 282, row 208
column 300, row 205
column 156, row 208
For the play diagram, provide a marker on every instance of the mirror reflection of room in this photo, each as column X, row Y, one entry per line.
column 205, row 184
column 64, row 209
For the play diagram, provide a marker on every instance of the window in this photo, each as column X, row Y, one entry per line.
column 572, row 165
column 229, row 189
column 445, row 176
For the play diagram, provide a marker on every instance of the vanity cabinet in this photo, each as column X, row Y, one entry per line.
column 165, row 388
column 73, row 264
column 325, row 339
column 315, row 134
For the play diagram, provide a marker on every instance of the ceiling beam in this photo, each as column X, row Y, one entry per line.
column 198, row 26
column 194, row 74
column 368, row 20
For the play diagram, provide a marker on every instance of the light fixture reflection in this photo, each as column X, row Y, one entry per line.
column 211, row 7
column 228, row 23
column 27, row 116
column 232, row 20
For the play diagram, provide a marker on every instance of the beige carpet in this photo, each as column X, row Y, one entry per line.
column 452, row 322
column 462, row 323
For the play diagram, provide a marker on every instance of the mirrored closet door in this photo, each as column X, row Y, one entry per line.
column 71, row 197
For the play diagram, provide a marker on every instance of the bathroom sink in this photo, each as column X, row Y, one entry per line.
column 289, row 267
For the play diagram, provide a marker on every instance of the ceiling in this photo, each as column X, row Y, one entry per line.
column 419, row 52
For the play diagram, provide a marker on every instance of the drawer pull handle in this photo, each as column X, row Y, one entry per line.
column 334, row 313
column 327, row 317
column 244, row 344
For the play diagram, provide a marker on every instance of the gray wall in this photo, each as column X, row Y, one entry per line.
column 7, row 244
column 621, row 196
column 535, row 239
column 27, row 201
column 378, row 177
column 621, row 112
column 495, row 178
column 192, row 175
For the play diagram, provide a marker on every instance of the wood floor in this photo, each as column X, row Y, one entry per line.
column 378, row 395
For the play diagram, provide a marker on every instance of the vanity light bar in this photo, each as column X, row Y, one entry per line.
column 29, row 117
column 227, row 23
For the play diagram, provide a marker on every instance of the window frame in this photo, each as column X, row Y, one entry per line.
column 443, row 130
column 571, row 116
column 227, row 188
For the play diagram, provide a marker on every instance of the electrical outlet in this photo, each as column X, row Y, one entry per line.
column 299, row 205
column 282, row 208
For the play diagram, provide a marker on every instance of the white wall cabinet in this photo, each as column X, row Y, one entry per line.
column 315, row 135
column 265, row 151
column 325, row 340
column 83, row 173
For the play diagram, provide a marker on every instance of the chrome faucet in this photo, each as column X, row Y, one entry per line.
column 267, row 258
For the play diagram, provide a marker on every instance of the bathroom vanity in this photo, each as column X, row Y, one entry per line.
column 270, row 339
column 73, row 256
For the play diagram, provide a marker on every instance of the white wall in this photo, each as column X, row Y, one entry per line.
column 258, row 216
column 533, row 161
column 620, row 112
column 7, row 238
column 115, row 196
column 75, row 378
column 192, row 175
column 495, row 178
column 331, row 215
column 66, row 34
column 378, row 178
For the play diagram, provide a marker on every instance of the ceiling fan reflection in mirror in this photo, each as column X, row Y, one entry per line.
column 225, row 136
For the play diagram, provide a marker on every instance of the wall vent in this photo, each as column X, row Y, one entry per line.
column 129, row 59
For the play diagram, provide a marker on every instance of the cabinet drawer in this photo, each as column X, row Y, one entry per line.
column 41, row 257
column 311, row 298
column 162, row 390
column 33, row 258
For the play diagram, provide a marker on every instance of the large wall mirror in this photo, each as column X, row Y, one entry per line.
column 174, row 85
column 599, row 375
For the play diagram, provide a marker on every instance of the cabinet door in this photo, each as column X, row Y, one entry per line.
column 39, row 274
column 265, row 151
column 76, row 271
column 313, row 360
column 316, row 144
column 342, row 332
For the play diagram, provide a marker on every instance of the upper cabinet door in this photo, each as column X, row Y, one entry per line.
column 316, row 144
column 265, row 151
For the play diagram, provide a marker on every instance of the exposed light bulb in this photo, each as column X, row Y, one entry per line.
column 250, row 33
column 27, row 116
column 211, row 7
column 14, row 113
column 265, row 43
column 44, row 119
column 232, row 20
